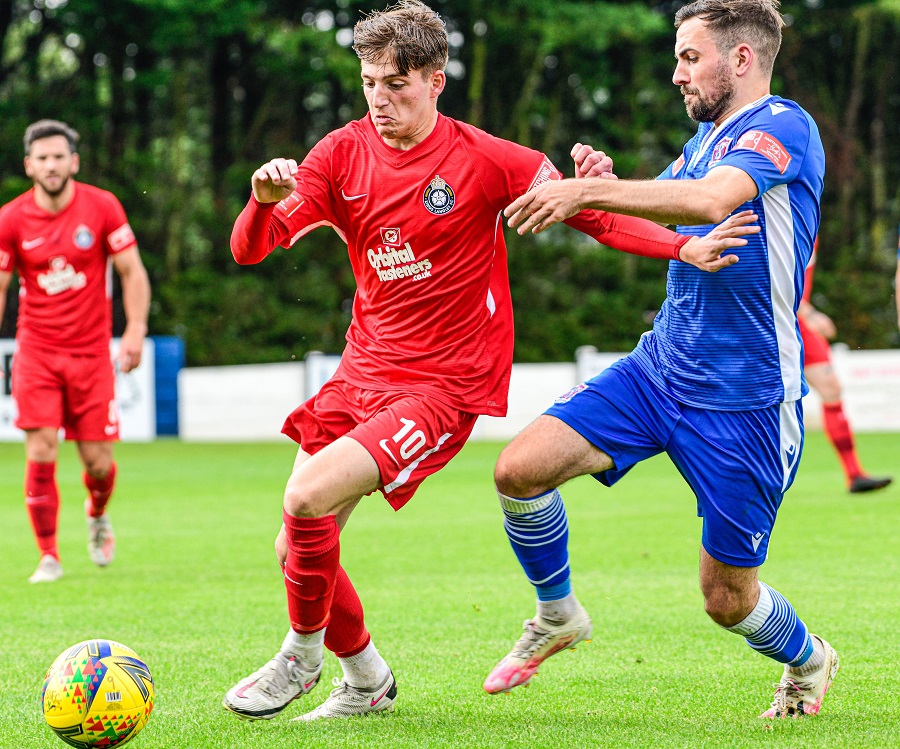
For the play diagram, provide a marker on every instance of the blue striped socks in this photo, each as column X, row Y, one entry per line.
column 774, row 629
column 538, row 531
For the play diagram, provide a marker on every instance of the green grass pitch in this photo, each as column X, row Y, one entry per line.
column 195, row 590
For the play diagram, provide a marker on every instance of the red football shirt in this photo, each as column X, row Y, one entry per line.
column 63, row 263
column 424, row 230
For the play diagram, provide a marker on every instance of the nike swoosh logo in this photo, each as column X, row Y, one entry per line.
column 385, row 447
column 378, row 698
column 32, row 243
column 309, row 684
column 240, row 692
column 345, row 196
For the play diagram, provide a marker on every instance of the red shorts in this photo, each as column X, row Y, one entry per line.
column 816, row 349
column 409, row 435
column 60, row 390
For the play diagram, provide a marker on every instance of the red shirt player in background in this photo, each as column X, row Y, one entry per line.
column 816, row 329
column 60, row 237
column 418, row 198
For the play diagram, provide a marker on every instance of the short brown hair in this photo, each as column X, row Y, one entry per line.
column 411, row 32
column 47, row 129
column 754, row 22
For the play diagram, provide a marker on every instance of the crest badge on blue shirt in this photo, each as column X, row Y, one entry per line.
column 721, row 148
column 566, row 397
column 83, row 238
column 439, row 197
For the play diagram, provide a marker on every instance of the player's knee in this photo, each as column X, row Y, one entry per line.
column 303, row 502
column 830, row 390
column 98, row 466
column 511, row 475
column 725, row 606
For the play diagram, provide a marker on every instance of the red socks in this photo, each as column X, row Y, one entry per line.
column 346, row 635
column 100, row 490
column 42, row 502
column 310, row 570
column 838, row 430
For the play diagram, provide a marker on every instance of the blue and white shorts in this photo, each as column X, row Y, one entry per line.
column 738, row 463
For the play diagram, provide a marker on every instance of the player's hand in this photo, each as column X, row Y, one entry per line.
column 131, row 348
column 274, row 181
column 591, row 163
column 544, row 206
column 821, row 323
column 281, row 546
column 705, row 253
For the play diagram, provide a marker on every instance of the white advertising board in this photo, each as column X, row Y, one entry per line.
column 135, row 394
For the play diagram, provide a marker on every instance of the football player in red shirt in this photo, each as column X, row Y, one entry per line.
column 816, row 329
column 61, row 237
column 418, row 197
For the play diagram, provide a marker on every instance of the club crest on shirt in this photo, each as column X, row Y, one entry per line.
column 721, row 148
column 391, row 236
column 566, row 397
column 83, row 238
column 439, row 197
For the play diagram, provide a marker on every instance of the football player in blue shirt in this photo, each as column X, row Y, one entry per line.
column 717, row 383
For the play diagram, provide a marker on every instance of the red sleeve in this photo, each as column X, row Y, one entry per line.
column 520, row 170
column 8, row 240
column 636, row 236
column 256, row 232
column 310, row 205
column 119, row 236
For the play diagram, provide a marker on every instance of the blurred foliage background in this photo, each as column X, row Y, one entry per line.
column 179, row 101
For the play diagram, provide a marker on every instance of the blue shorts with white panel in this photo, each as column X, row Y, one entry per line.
column 738, row 463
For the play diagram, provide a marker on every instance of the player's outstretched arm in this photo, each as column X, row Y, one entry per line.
column 255, row 235
column 687, row 202
column 136, row 301
column 705, row 252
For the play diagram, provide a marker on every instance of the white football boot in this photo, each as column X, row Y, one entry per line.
column 49, row 570
column 268, row 691
column 538, row 642
column 346, row 701
column 101, row 539
column 796, row 696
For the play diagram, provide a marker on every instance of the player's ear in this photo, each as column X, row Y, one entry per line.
column 76, row 163
column 438, row 81
column 27, row 167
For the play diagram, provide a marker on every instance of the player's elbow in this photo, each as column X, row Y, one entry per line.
column 243, row 252
column 713, row 210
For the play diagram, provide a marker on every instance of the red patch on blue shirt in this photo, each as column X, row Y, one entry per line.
column 768, row 146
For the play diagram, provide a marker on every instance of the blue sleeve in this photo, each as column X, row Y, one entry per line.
column 772, row 146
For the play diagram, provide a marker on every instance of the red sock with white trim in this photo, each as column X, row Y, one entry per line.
column 310, row 570
column 42, row 502
column 100, row 490
column 838, row 430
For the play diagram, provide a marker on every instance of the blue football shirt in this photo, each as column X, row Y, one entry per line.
column 730, row 340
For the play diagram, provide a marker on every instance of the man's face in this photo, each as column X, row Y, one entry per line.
column 401, row 106
column 50, row 163
column 704, row 75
